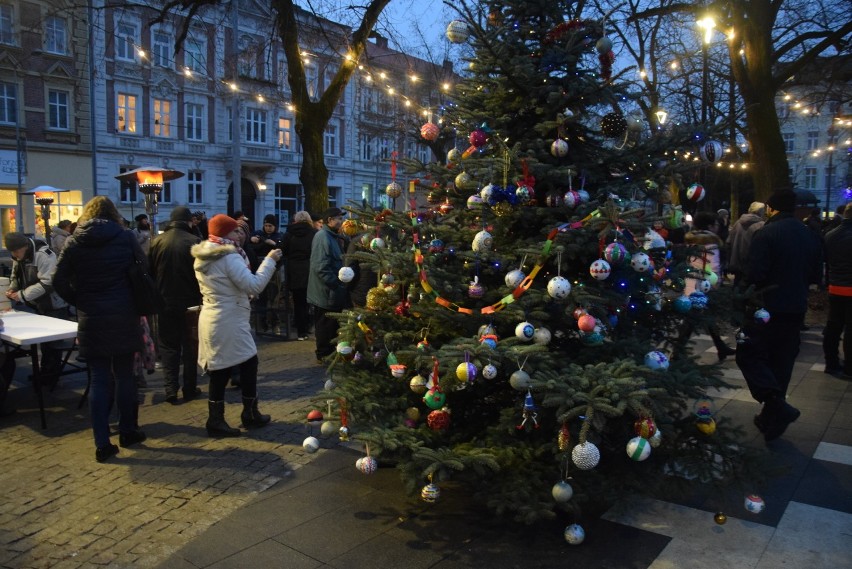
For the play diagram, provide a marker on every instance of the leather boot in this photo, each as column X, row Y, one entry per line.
column 251, row 417
column 216, row 425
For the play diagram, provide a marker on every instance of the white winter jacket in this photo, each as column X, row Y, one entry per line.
column 224, row 331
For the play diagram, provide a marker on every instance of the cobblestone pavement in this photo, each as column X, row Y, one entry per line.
column 62, row 509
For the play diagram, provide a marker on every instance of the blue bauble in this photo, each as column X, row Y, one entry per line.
column 682, row 304
column 698, row 300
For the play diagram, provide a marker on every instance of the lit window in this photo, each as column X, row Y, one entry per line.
column 284, row 133
column 125, row 112
column 162, row 117
column 58, row 109
column 55, row 36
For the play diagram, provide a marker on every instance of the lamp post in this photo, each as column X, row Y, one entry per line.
column 44, row 197
column 150, row 180
column 707, row 23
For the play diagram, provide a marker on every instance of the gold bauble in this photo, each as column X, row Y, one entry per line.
column 720, row 518
column 377, row 299
column 502, row 209
column 350, row 227
column 706, row 427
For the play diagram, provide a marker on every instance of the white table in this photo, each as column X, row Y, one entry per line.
column 28, row 330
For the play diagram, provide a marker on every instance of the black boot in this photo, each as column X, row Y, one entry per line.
column 777, row 416
column 251, row 417
column 216, row 425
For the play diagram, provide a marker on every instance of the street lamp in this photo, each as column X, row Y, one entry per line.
column 661, row 116
column 708, row 24
column 44, row 196
column 150, row 180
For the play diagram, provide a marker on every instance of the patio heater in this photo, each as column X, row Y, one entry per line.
column 150, row 180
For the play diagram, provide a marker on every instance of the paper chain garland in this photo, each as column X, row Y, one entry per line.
column 509, row 298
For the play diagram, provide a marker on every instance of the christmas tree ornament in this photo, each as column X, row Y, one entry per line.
column 454, row 156
column 720, row 518
column 489, row 340
column 574, row 534
column 703, row 410
column 388, row 279
column 466, row 371
column 603, row 45
column 579, row 311
column 711, row 151
column 558, row 288
column 656, row 360
column 439, row 419
column 754, row 504
column 525, row 331
column 600, row 270
column 587, row 323
column 482, row 242
column 641, row 262
column 638, row 448
column 529, row 414
column 645, row 427
column 345, row 350
column 393, row 190
column 314, row 417
column 398, row 370
column 656, row 439
column 430, row 131
column 457, row 31
column 474, row 289
column 553, row 199
column 761, row 316
column 563, row 438
column 707, row 427
column 698, row 300
column 703, row 286
column 524, row 195
column 311, row 445
column 682, row 304
column 559, row 148
column 377, row 243
column 562, row 492
column 349, row 228
column 435, row 398
column 520, row 380
column 584, row 195
column 464, row 181
column 328, row 428
column 435, row 197
column 615, row 254
column 377, row 299
column 412, row 413
column 542, row 336
column 346, row 274
column 329, row 384
column 487, row 193
column 418, row 384
column 595, row 338
column 477, row 139
column 436, row 246
column 613, row 125
column 514, row 278
column 695, row 193
column 343, row 433
column 571, row 199
column 474, row 201
column 423, row 345
column 502, row 209
column 585, row 456
column 489, row 372
column 711, row 276
column 430, row 493
column 366, row 465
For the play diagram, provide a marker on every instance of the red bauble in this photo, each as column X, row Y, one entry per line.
column 587, row 323
column 314, row 416
column 402, row 309
column 579, row 312
column 645, row 427
column 478, row 138
column 438, row 420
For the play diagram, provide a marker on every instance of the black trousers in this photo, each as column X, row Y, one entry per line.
column 325, row 331
column 839, row 317
column 177, row 347
column 248, row 380
column 768, row 354
column 301, row 311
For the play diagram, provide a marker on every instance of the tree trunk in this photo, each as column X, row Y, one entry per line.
column 314, row 174
column 769, row 169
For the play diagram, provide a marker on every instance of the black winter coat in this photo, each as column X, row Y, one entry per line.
column 170, row 263
column 838, row 253
column 786, row 256
column 296, row 246
column 92, row 275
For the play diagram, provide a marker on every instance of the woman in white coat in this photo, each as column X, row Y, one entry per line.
column 224, row 334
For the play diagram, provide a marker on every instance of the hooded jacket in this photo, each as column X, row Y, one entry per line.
column 224, row 333
column 32, row 277
column 739, row 240
column 92, row 275
column 296, row 246
column 171, row 265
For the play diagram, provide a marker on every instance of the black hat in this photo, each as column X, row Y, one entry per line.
column 782, row 200
column 15, row 241
column 270, row 218
column 140, row 217
column 181, row 213
column 332, row 212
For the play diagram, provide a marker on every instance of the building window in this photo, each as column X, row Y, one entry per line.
column 385, row 104
column 195, row 55
column 161, row 49
column 789, row 141
column 813, row 139
column 384, row 149
column 830, row 179
column 368, row 99
column 284, row 133
column 330, row 140
column 194, row 121
column 810, row 178
column 125, row 42
column 8, row 103
column 57, row 109
column 162, row 117
column 166, row 193
column 125, row 112
column 286, row 201
column 312, row 79
column 7, row 24
column 55, row 36
column 247, row 65
column 282, row 75
column 255, row 126
column 194, row 187
column 366, row 150
column 127, row 189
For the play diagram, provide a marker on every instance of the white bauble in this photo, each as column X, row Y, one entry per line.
column 366, row 464
column 638, row 448
column 656, row 360
column 542, row 336
column 489, row 372
column 377, row 243
column 454, row 156
column 754, row 504
column 703, row 286
column 656, row 438
column 600, row 270
column 346, row 274
column 562, row 492
column 328, row 428
column 525, row 331
column 457, row 31
column 311, row 444
column 559, row 288
column 586, row 456
column 482, row 242
column 559, row 148
column 486, row 193
column 514, row 278
column 329, row 385
column 574, row 534
column 641, row 262
column 520, row 380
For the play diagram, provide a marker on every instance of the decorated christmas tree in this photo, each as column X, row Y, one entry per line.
column 528, row 333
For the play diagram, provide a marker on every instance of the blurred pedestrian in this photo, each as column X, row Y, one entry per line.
column 838, row 253
column 740, row 236
column 143, row 232
column 296, row 247
column 262, row 241
column 59, row 234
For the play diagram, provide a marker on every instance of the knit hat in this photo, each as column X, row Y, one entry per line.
column 270, row 218
column 181, row 213
column 782, row 200
column 15, row 241
column 244, row 224
column 140, row 217
column 221, row 225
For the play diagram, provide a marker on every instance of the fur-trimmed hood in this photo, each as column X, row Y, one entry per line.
column 207, row 252
column 703, row 237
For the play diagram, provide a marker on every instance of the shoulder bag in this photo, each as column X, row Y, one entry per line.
column 146, row 297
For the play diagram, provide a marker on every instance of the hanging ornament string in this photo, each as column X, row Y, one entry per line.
column 506, row 163
column 558, row 262
column 394, row 156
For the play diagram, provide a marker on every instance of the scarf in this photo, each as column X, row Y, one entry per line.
column 225, row 241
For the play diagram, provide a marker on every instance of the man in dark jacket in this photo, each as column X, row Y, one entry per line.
column 784, row 259
column 838, row 253
column 296, row 246
column 326, row 292
column 263, row 241
column 171, row 266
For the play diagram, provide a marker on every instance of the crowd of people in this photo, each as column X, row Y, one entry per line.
column 211, row 275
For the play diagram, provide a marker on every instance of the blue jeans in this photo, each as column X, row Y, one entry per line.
column 112, row 377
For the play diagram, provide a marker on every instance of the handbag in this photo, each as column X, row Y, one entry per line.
column 146, row 297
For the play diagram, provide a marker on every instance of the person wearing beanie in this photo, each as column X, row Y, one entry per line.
column 262, row 242
column 92, row 274
column 784, row 259
column 296, row 246
column 224, row 333
column 326, row 292
column 143, row 232
column 170, row 264
column 739, row 239
column 838, row 253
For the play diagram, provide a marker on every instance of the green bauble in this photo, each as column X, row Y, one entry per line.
column 434, row 399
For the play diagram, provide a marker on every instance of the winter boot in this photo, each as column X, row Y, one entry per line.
column 216, row 425
column 251, row 417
